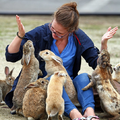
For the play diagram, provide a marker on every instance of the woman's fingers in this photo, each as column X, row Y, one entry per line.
column 108, row 29
column 113, row 31
column 110, row 32
column 18, row 21
column 20, row 26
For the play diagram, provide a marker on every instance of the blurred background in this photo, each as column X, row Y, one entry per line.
column 47, row 7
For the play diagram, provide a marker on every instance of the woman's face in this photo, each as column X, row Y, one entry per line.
column 58, row 31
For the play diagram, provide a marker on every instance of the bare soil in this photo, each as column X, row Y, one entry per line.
column 94, row 26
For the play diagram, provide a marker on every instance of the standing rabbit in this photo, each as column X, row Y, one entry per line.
column 54, row 100
column 34, row 99
column 102, row 80
column 54, row 63
column 30, row 71
column 6, row 85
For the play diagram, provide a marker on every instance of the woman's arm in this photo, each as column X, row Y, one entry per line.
column 15, row 44
column 109, row 34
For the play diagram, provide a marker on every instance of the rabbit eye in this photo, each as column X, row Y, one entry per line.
column 42, row 81
column 9, row 78
column 47, row 53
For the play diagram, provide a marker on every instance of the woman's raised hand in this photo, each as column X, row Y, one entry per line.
column 21, row 29
column 109, row 34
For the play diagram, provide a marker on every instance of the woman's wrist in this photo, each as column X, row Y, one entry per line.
column 20, row 36
column 104, row 44
column 103, row 47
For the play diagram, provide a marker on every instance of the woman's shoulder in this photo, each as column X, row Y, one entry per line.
column 42, row 28
column 39, row 31
column 81, row 34
column 83, row 37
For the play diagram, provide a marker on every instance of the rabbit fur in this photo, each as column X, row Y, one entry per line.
column 6, row 85
column 54, row 100
column 34, row 99
column 29, row 73
column 54, row 63
column 102, row 79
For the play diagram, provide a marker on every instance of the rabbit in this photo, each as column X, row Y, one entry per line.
column 6, row 85
column 29, row 73
column 102, row 80
column 54, row 63
column 117, row 73
column 34, row 99
column 54, row 100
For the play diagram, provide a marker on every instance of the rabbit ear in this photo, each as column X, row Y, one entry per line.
column 57, row 59
column 32, row 85
column 6, row 70
column 22, row 60
column 62, row 74
column 56, row 73
column 11, row 72
column 26, row 59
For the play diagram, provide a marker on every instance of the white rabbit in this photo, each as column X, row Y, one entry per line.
column 30, row 71
column 34, row 99
column 54, row 100
column 6, row 85
column 54, row 63
column 117, row 73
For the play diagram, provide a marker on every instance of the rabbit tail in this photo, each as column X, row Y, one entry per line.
column 31, row 118
column 53, row 112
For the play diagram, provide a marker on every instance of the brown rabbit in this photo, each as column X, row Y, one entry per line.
column 6, row 85
column 54, row 100
column 54, row 63
column 30, row 71
column 34, row 99
column 102, row 79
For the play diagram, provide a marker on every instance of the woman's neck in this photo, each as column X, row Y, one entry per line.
column 61, row 44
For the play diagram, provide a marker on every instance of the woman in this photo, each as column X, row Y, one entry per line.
column 63, row 37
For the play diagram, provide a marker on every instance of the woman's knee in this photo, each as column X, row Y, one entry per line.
column 81, row 79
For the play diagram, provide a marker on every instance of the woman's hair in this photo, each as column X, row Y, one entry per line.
column 68, row 16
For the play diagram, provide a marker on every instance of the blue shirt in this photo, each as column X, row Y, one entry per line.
column 67, row 55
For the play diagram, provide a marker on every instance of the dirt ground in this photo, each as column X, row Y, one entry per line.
column 5, row 115
column 94, row 26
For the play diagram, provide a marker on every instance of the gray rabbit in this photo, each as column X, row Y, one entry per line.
column 34, row 99
column 6, row 85
column 30, row 72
